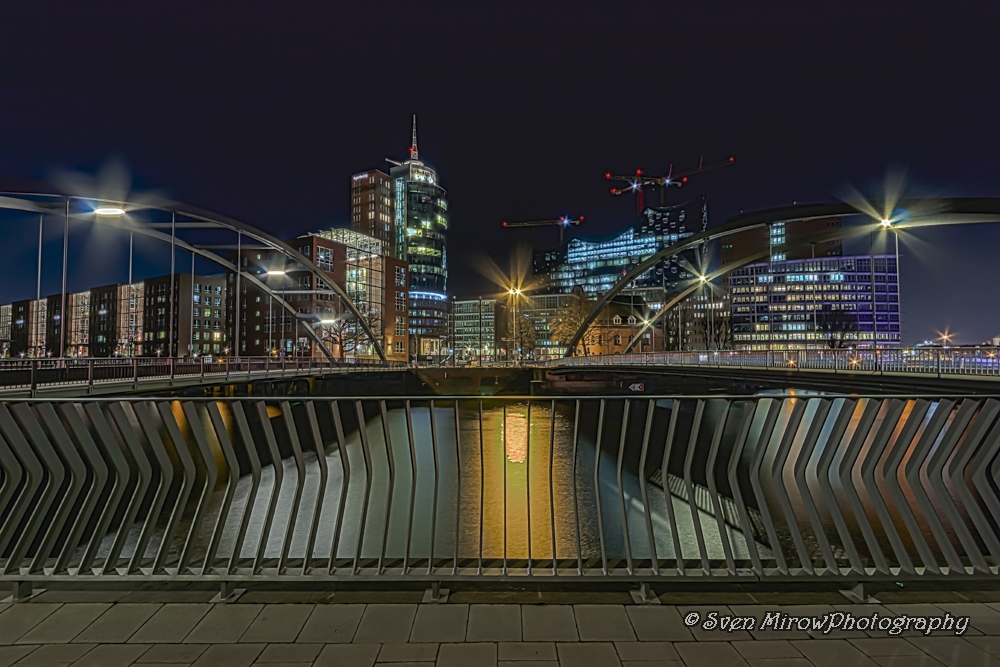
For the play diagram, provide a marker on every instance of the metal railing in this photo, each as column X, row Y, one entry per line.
column 659, row 488
column 984, row 361
column 86, row 373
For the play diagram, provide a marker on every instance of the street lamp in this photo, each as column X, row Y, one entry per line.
column 109, row 211
column 516, row 292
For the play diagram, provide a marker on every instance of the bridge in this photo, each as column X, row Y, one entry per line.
column 108, row 376
column 886, row 217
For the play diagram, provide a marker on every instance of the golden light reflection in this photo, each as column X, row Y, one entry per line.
column 516, row 432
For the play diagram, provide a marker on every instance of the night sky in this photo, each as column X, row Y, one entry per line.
column 264, row 110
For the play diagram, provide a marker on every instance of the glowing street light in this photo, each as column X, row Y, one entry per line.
column 109, row 211
column 275, row 272
column 703, row 278
column 886, row 222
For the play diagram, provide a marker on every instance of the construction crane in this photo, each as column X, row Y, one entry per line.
column 562, row 223
column 639, row 181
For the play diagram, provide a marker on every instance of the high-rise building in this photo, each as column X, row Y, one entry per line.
column 421, row 209
column 373, row 211
column 473, row 321
column 816, row 303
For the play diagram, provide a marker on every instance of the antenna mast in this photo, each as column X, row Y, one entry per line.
column 414, row 154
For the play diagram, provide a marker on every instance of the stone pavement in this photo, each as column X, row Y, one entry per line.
column 147, row 629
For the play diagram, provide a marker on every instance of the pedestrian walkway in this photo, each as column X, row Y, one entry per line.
column 150, row 629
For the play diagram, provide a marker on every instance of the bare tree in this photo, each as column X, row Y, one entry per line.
column 834, row 325
column 348, row 335
column 519, row 333
column 568, row 320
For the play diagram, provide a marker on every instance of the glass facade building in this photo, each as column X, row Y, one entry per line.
column 816, row 303
column 421, row 213
column 474, row 323
column 597, row 265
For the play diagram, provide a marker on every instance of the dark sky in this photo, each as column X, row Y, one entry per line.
column 264, row 110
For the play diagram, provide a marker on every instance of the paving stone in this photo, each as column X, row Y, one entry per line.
column 833, row 653
column 332, row 623
column 386, row 623
column 540, row 623
column 989, row 644
column 954, row 651
column 766, row 648
column 224, row 624
column 173, row 653
column 646, row 651
column 657, row 623
column 709, row 654
column 984, row 618
column 229, row 655
column 57, row 653
column 439, row 623
column 64, row 624
column 117, row 624
column 529, row 663
column 463, row 655
column 494, row 623
column 11, row 654
column 780, row 662
column 112, row 655
column 347, row 655
column 527, row 651
column 277, row 653
column 885, row 646
column 22, row 617
column 590, row 654
column 278, row 623
column 716, row 635
column 603, row 623
column 922, row 660
column 171, row 624
column 408, row 653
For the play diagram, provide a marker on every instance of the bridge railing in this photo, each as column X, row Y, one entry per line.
column 703, row 489
column 984, row 361
column 88, row 372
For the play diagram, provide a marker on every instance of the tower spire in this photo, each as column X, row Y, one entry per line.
column 414, row 153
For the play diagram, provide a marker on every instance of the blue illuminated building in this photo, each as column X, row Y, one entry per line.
column 596, row 265
column 816, row 303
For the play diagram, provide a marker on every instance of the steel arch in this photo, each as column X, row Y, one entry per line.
column 16, row 201
column 946, row 212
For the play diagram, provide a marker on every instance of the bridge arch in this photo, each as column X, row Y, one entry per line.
column 53, row 204
column 941, row 212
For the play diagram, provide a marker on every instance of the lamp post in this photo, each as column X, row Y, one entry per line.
column 514, row 293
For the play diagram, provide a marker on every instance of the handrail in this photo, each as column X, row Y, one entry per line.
column 602, row 498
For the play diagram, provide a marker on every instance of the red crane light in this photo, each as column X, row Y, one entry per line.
column 607, row 175
column 504, row 223
column 638, row 172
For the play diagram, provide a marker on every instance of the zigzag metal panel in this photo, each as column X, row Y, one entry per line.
column 707, row 489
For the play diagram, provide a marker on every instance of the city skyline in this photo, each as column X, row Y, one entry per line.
column 531, row 138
